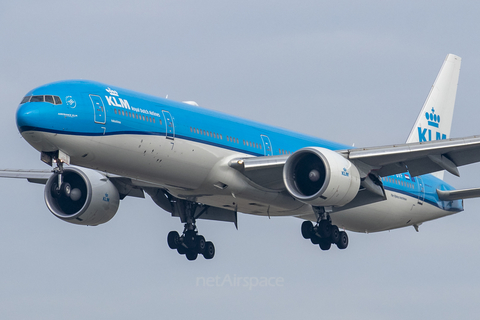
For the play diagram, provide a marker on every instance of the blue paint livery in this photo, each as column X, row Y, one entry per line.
column 81, row 114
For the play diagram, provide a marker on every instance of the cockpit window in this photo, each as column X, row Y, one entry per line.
column 37, row 99
column 49, row 99
column 25, row 99
column 45, row 98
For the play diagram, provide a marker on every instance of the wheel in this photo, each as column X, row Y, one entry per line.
column 315, row 239
column 324, row 229
column 173, row 239
column 55, row 190
column 325, row 244
column 66, row 189
column 191, row 255
column 343, row 241
column 307, row 229
column 209, row 250
column 200, row 244
column 335, row 236
column 181, row 249
column 189, row 239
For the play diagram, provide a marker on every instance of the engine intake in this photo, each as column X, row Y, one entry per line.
column 86, row 197
column 321, row 177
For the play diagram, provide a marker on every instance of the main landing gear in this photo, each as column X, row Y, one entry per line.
column 190, row 243
column 324, row 233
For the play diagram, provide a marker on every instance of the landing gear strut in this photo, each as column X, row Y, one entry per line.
column 324, row 233
column 190, row 243
column 60, row 188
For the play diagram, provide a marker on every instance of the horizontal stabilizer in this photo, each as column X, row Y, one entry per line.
column 450, row 195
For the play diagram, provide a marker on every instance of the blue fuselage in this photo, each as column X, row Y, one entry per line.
column 91, row 109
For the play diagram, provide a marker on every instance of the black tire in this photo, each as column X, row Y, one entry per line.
column 173, row 239
column 324, row 229
column 190, row 239
column 315, row 239
column 209, row 251
column 181, row 249
column 200, row 244
column 325, row 244
column 55, row 191
column 335, row 236
column 307, row 229
column 191, row 255
column 66, row 189
column 343, row 241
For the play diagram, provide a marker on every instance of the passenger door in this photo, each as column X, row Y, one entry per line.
column 98, row 109
column 421, row 190
column 267, row 146
column 169, row 125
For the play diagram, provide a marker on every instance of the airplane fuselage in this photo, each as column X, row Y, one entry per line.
column 186, row 150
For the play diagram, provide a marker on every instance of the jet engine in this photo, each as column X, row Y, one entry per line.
column 85, row 196
column 321, row 177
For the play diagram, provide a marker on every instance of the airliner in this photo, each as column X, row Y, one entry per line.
column 105, row 143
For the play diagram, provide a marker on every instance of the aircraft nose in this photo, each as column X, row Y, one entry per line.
column 28, row 117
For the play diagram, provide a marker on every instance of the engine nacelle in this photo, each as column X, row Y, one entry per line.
column 91, row 200
column 321, row 177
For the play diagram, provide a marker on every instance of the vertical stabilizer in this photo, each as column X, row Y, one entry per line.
column 435, row 120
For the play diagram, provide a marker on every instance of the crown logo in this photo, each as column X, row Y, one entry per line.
column 112, row 92
column 433, row 119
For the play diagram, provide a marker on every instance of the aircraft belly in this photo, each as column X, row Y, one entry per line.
column 190, row 170
column 179, row 163
column 399, row 210
column 198, row 171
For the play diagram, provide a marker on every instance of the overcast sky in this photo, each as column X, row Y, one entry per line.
column 349, row 71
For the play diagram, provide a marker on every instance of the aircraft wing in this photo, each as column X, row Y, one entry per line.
column 449, row 195
column 34, row 176
column 416, row 158
column 419, row 158
column 126, row 186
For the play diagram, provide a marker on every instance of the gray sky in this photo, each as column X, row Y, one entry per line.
column 346, row 71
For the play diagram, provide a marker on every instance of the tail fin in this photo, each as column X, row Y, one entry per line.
column 435, row 120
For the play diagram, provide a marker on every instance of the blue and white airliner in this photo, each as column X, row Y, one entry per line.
column 105, row 143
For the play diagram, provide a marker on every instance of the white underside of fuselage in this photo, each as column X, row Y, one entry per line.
column 200, row 172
